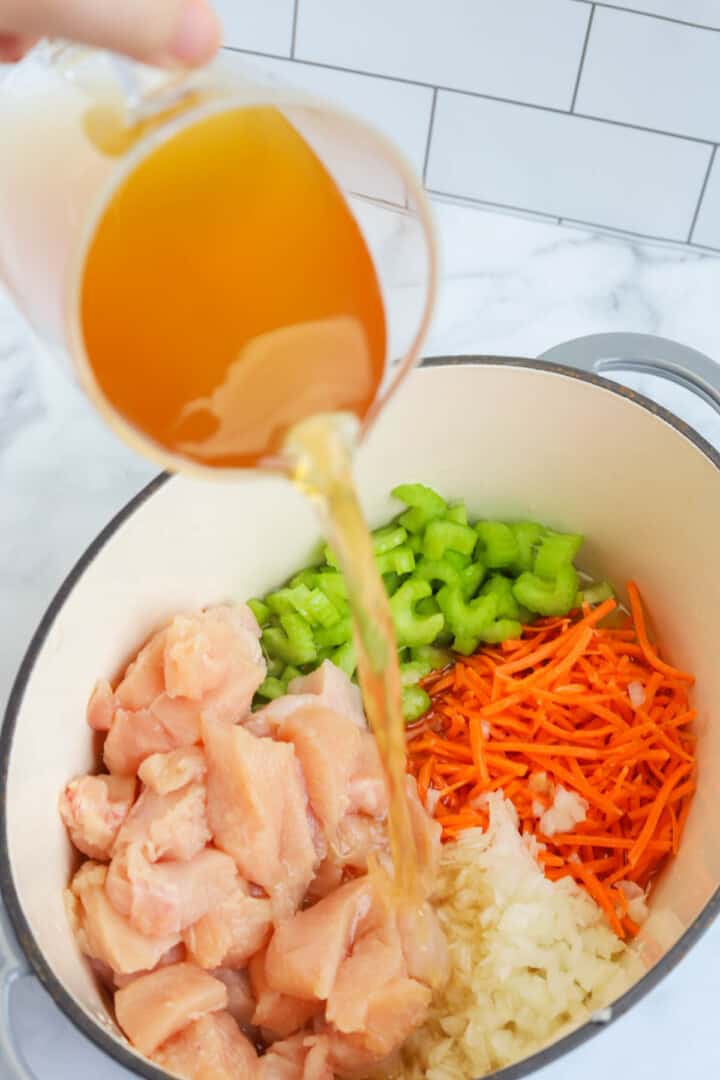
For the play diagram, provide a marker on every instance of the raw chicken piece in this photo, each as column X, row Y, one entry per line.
column 327, row 746
column 144, row 679
column 154, row 1008
column 211, row 1048
column 172, row 826
column 278, row 1015
column 164, row 773
column 133, row 737
column 306, row 951
column 334, row 688
column 166, row 898
column 424, row 946
column 258, row 813
column 356, row 837
column 103, row 933
column 231, row 932
column 328, row 686
column 101, row 706
column 215, row 658
column 176, row 955
column 367, row 790
column 209, row 663
column 241, row 1003
column 375, row 961
column 303, row 1057
column 94, row 808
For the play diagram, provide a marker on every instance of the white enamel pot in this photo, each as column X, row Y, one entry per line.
column 514, row 438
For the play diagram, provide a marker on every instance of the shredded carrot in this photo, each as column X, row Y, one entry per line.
column 554, row 707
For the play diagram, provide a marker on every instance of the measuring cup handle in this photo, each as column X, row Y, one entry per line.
column 644, row 353
column 12, row 966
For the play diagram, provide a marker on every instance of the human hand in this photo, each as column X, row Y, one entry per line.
column 162, row 32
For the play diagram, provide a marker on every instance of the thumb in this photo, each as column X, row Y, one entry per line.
column 161, row 32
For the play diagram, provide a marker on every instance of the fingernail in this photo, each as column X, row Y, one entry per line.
column 197, row 35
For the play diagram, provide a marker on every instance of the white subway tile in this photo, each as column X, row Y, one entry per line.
column 518, row 49
column 707, row 226
column 653, row 73
column 704, row 12
column 263, row 27
column 399, row 110
column 561, row 164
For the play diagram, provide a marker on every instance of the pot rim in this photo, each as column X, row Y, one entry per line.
column 8, row 893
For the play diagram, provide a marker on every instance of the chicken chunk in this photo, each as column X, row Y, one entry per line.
column 306, row 951
column 232, row 932
column 276, row 1014
column 103, row 933
column 172, row 826
column 368, row 789
column 101, row 706
column 303, row 1057
column 241, row 1002
column 94, row 809
column 258, row 812
column 165, row 898
column 154, row 1008
column 328, row 686
column 211, row 1048
column 163, row 773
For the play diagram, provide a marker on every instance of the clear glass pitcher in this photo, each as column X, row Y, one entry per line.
column 75, row 122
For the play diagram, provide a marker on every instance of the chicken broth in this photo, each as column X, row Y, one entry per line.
column 228, row 293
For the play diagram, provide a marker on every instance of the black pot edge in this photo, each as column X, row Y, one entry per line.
column 92, row 1030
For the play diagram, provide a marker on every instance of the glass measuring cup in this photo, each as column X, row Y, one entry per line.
column 77, row 122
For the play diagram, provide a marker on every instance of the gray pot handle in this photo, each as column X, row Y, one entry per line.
column 13, row 965
column 644, row 353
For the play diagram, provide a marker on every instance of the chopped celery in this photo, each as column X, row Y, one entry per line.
column 498, row 545
column 501, row 630
column 312, row 604
column 597, row 592
column 425, row 505
column 308, row 577
column 331, row 636
column 413, row 672
column 330, row 557
column 436, row 658
column 275, row 666
column 415, row 702
column 545, row 597
column 415, row 543
column 260, row 610
column 292, row 641
column 344, row 658
column 279, row 601
column 457, row 512
column 290, row 673
column 554, row 551
column 413, row 628
column 501, row 588
column 391, row 582
column 387, row 538
column 437, row 570
column 466, row 619
column 443, row 535
column 470, row 579
column 333, row 585
column 527, row 534
column 399, row 560
column 428, row 606
column 460, row 562
column 271, row 688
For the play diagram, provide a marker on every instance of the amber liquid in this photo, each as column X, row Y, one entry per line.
column 228, row 293
column 228, row 296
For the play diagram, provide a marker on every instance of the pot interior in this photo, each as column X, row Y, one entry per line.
column 514, row 441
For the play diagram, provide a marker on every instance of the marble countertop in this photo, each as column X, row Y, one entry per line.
column 511, row 286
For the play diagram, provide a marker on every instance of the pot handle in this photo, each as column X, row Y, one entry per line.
column 12, row 967
column 644, row 353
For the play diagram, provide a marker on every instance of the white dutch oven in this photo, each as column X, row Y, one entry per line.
column 515, row 438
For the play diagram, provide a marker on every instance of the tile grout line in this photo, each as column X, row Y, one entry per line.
column 583, row 54
column 293, row 37
column 701, row 196
column 651, row 15
column 431, row 126
column 477, row 94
